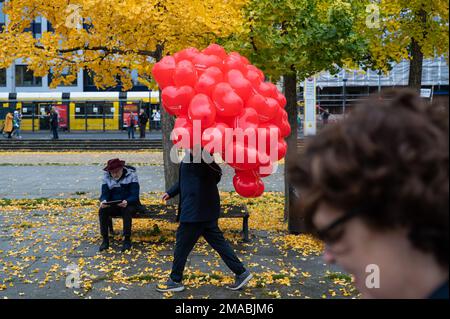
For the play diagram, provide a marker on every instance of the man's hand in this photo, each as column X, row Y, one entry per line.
column 166, row 197
column 103, row 205
column 123, row 204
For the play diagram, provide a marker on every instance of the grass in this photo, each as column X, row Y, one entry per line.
column 338, row 276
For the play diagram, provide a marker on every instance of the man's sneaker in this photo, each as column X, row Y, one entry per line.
column 126, row 245
column 241, row 281
column 170, row 286
column 104, row 245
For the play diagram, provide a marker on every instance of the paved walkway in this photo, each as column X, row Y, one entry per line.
column 43, row 135
column 37, row 246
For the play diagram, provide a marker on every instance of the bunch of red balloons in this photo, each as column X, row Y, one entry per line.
column 225, row 92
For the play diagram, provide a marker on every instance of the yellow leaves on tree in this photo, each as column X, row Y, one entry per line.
column 111, row 38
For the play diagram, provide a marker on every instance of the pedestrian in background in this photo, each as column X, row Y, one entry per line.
column 17, row 121
column 54, row 123
column 131, row 125
column 374, row 188
column 143, row 120
column 8, row 126
column 157, row 119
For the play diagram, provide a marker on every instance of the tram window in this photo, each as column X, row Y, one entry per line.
column 94, row 110
column 26, row 77
column 2, row 77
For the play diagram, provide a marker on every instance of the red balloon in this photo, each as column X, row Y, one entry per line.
column 185, row 74
column 208, row 80
column 215, row 49
column 241, row 157
column 227, row 102
column 282, row 149
column 281, row 100
column 214, row 138
column 202, row 109
column 268, row 89
column 163, row 71
column 266, row 108
column 248, row 184
column 271, row 134
column 281, row 120
column 251, row 69
column 182, row 133
column 234, row 61
column 203, row 61
column 266, row 170
column 247, row 119
column 176, row 100
column 240, row 84
column 186, row 54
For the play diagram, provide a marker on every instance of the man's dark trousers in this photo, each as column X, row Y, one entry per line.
column 187, row 236
column 114, row 211
column 142, row 130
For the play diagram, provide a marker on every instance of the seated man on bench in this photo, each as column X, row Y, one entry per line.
column 120, row 197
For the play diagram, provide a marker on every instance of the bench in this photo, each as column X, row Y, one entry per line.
column 169, row 213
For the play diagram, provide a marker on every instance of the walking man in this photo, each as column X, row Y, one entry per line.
column 8, row 126
column 198, row 214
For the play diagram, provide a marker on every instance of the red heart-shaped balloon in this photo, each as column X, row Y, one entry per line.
column 182, row 133
column 186, row 54
column 240, row 84
column 163, row 72
column 202, row 109
column 282, row 148
column 185, row 74
column 234, row 61
column 215, row 49
column 227, row 102
column 281, row 120
column 248, row 184
column 268, row 136
column 203, row 61
column 247, row 119
column 176, row 100
column 267, row 89
column 208, row 80
column 241, row 156
column 266, row 108
column 214, row 138
column 281, row 100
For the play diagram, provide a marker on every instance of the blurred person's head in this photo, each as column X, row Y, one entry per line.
column 375, row 189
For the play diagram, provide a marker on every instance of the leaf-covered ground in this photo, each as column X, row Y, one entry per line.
column 40, row 238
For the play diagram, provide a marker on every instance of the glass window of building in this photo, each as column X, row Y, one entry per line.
column 2, row 77
column 2, row 15
column 26, row 77
column 35, row 27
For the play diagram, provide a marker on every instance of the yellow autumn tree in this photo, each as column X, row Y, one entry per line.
column 110, row 38
column 404, row 29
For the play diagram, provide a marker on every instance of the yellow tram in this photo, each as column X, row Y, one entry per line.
column 78, row 111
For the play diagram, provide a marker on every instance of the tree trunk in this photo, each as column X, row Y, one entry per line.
column 416, row 65
column 295, row 223
column 167, row 123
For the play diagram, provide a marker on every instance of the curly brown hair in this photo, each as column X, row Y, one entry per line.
column 390, row 160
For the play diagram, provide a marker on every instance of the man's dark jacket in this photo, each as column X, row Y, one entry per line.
column 197, row 187
column 53, row 120
column 143, row 119
column 126, row 188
